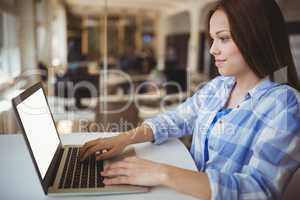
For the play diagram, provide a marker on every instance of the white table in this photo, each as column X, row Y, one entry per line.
column 18, row 179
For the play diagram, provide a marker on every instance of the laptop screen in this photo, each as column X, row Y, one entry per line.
column 39, row 128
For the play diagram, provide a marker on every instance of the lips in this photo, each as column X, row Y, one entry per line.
column 219, row 62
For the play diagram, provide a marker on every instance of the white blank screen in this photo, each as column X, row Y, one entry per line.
column 39, row 128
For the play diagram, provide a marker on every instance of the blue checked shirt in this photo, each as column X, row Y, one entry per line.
column 253, row 150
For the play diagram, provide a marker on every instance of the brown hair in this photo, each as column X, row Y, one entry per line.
column 258, row 29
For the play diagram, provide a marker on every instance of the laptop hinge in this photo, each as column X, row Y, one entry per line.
column 53, row 168
column 51, row 181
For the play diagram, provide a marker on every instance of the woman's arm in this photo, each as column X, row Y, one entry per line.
column 181, row 121
column 176, row 123
column 137, row 171
column 274, row 158
column 115, row 145
column 187, row 181
column 158, row 129
column 140, row 134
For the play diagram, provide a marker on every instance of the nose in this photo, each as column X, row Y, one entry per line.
column 214, row 50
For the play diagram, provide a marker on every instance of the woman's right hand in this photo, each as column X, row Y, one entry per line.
column 105, row 148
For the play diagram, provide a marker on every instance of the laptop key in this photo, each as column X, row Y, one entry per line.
column 100, row 181
column 61, row 182
column 84, row 175
column 71, row 167
column 92, row 177
column 76, row 178
column 99, row 165
column 81, row 174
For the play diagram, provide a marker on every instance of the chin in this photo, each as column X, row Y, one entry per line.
column 224, row 72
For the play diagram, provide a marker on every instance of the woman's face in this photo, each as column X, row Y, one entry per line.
column 228, row 58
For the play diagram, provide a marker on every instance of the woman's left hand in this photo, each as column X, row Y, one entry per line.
column 134, row 171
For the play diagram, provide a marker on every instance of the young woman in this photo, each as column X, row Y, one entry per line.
column 245, row 127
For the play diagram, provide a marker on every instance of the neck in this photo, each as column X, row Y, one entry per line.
column 246, row 82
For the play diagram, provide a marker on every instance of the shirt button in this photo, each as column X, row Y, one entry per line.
column 210, row 147
column 238, row 106
column 221, row 122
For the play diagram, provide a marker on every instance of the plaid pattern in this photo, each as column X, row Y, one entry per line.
column 253, row 150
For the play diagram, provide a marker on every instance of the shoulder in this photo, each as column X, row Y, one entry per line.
column 277, row 100
column 282, row 95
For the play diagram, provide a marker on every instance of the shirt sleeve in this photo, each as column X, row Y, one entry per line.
column 275, row 158
column 180, row 121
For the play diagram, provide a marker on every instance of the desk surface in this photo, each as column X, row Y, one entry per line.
column 18, row 179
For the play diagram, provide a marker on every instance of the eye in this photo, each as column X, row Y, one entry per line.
column 224, row 39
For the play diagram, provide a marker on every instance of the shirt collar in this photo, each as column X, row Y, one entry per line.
column 257, row 91
column 229, row 82
column 261, row 87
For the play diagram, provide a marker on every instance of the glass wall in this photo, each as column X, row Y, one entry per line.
column 9, row 50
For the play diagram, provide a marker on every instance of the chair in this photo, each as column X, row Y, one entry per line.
column 122, row 115
column 292, row 192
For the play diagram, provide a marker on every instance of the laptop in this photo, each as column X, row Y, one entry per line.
column 58, row 167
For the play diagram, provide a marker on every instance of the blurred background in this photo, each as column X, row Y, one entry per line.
column 108, row 65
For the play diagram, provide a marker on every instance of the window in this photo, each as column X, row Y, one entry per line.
column 295, row 46
column 9, row 50
column 1, row 40
column 293, row 29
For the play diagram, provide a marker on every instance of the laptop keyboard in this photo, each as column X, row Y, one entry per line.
column 78, row 174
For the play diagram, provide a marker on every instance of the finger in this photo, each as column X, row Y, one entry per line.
column 117, row 180
column 84, row 152
column 116, row 172
column 96, row 149
column 110, row 153
column 91, row 143
column 88, row 145
column 131, row 159
column 134, row 159
column 120, row 164
column 137, row 162
column 93, row 150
